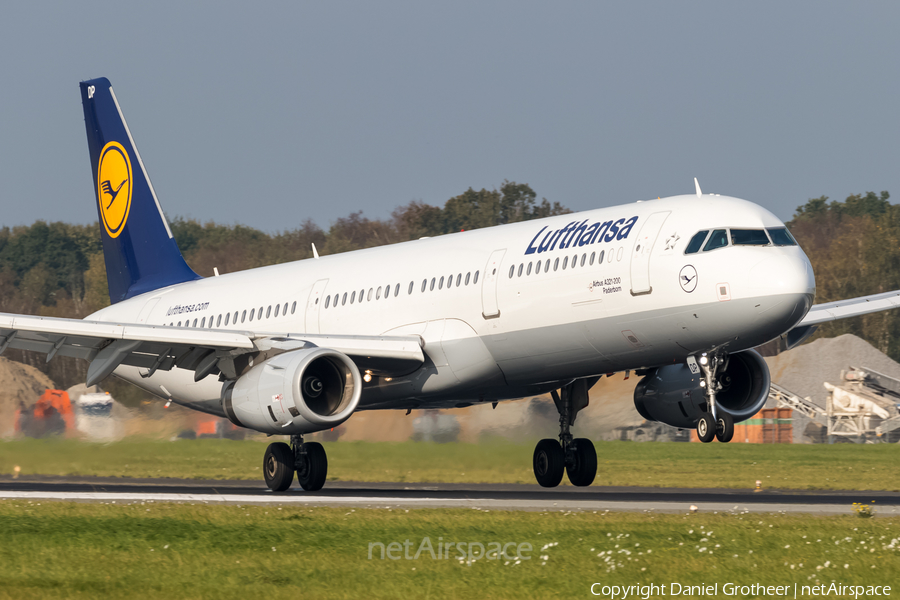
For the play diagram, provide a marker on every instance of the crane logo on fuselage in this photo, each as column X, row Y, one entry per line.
column 114, row 187
column 688, row 278
column 580, row 234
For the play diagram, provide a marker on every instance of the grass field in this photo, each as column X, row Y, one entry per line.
column 170, row 551
column 843, row 466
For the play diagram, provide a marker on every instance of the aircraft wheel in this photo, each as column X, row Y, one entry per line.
column 549, row 463
column 278, row 466
column 724, row 427
column 706, row 428
column 312, row 467
column 584, row 468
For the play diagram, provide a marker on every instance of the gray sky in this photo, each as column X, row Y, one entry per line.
column 269, row 113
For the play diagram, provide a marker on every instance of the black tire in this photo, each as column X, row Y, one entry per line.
column 583, row 472
column 549, row 463
column 313, row 469
column 278, row 466
column 706, row 428
column 724, row 427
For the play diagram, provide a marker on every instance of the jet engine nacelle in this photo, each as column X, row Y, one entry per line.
column 672, row 394
column 296, row 392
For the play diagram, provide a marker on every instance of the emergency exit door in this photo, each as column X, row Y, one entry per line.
column 489, row 307
column 314, row 305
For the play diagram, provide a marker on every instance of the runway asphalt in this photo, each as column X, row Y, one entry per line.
column 447, row 495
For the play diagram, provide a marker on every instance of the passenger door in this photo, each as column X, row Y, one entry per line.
column 640, row 256
column 490, row 309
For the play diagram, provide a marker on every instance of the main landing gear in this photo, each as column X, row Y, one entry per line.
column 576, row 457
column 715, row 423
column 307, row 459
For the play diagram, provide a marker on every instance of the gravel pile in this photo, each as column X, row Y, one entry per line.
column 804, row 369
column 18, row 383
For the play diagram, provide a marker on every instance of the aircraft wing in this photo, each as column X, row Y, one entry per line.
column 854, row 307
column 107, row 345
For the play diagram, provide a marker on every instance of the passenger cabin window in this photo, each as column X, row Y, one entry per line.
column 458, row 279
column 369, row 297
column 293, row 307
column 252, row 312
column 397, row 290
column 278, row 308
column 234, row 318
column 284, row 309
column 718, row 239
column 353, row 297
column 344, row 299
column 467, row 277
column 695, row 244
column 203, row 322
column 781, row 236
column 227, row 315
column 410, row 287
column 327, row 302
column 268, row 311
column 219, row 320
column 749, row 237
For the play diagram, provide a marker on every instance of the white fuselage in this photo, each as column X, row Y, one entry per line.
column 491, row 333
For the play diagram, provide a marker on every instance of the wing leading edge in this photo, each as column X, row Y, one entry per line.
column 853, row 307
column 205, row 351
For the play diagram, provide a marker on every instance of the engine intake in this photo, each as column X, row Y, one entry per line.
column 672, row 394
column 296, row 392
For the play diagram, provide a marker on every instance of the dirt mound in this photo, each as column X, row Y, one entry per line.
column 803, row 370
column 18, row 383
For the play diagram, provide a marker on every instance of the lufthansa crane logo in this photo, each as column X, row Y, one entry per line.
column 688, row 278
column 114, row 187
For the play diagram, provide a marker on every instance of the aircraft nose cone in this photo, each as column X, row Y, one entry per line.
column 785, row 274
column 788, row 281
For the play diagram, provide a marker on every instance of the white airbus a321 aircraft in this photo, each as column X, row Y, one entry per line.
column 678, row 290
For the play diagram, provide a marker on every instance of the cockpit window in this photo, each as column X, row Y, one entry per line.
column 749, row 237
column 781, row 237
column 696, row 242
column 717, row 239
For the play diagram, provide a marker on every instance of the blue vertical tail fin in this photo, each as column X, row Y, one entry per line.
column 140, row 252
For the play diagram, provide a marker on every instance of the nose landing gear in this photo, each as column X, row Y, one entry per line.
column 576, row 456
column 715, row 423
column 308, row 460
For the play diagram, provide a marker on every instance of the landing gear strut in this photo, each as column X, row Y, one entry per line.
column 715, row 423
column 307, row 459
column 576, row 456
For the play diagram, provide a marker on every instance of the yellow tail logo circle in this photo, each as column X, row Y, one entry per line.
column 114, row 187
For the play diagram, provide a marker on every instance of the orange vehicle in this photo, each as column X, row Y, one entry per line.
column 51, row 415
